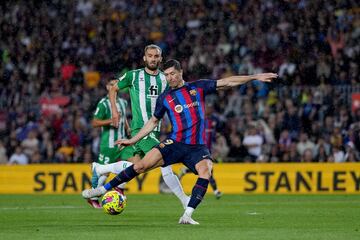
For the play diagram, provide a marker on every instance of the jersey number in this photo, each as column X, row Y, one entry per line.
column 103, row 158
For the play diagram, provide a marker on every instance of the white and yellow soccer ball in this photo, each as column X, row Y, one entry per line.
column 113, row 202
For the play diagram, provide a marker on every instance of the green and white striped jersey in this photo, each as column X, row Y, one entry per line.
column 110, row 134
column 144, row 90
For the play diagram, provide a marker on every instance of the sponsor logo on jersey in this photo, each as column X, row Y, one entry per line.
column 153, row 91
column 180, row 108
column 193, row 104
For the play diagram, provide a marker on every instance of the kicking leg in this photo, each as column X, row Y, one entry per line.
column 152, row 159
column 115, row 168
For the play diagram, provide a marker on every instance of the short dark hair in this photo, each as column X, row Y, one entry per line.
column 109, row 80
column 153, row 46
column 172, row 63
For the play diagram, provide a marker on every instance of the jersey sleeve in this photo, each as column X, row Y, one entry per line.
column 100, row 111
column 160, row 109
column 124, row 81
column 209, row 86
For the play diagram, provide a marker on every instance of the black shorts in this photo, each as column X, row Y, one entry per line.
column 176, row 152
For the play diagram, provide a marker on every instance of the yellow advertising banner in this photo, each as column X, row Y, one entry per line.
column 232, row 178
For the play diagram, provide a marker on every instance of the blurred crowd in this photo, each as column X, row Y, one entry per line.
column 55, row 56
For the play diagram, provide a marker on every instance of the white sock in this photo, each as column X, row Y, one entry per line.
column 102, row 190
column 115, row 168
column 102, row 180
column 174, row 184
column 189, row 211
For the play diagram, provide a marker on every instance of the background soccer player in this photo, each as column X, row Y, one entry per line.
column 185, row 105
column 109, row 152
column 145, row 85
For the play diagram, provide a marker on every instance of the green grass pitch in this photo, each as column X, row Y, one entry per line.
column 155, row 217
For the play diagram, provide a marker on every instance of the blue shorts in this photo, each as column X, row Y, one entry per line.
column 176, row 152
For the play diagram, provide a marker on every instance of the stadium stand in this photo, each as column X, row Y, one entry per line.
column 55, row 55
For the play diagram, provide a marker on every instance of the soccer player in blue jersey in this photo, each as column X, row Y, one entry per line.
column 185, row 105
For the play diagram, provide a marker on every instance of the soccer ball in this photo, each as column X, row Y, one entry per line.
column 113, row 202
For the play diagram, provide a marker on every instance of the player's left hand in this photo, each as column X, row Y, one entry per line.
column 266, row 77
column 124, row 142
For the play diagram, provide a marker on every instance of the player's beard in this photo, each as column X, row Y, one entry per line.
column 152, row 67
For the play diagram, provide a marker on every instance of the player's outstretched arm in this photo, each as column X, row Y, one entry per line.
column 148, row 128
column 238, row 80
column 112, row 97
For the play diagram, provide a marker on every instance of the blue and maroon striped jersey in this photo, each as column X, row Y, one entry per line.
column 185, row 107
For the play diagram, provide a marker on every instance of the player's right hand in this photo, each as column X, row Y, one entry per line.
column 115, row 119
column 266, row 77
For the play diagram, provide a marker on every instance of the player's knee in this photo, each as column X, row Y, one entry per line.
column 204, row 169
column 139, row 167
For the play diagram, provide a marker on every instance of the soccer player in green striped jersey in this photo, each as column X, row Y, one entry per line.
column 145, row 85
column 109, row 153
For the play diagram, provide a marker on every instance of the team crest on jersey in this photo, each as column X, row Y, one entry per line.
column 161, row 145
column 178, row 108
column 192, row 92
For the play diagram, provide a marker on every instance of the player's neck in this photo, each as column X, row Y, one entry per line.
column 151, row 72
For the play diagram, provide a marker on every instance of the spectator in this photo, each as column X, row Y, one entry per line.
column 307, row 155
column 36, row 157
column 237, row 152
column 284, row 141
column 31, row 144
column 3, row 156
column 304, row 144
column 220, row 149
column 253, row 143
column 65, row 152
column 18, row 157
column 338, row 155
column 274, row 155
column 294, row 156
column 351, row 155
column 67, row 69
column 321, row 154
